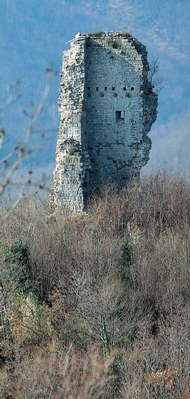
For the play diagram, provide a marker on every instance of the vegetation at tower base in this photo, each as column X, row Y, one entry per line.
column 107, row 107
column 109, row 315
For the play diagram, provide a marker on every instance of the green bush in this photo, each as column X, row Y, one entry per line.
column 20, row 272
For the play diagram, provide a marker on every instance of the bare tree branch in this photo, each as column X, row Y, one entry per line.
column 22, row 148
column 153, row 76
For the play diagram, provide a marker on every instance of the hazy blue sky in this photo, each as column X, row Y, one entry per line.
column 34, row 33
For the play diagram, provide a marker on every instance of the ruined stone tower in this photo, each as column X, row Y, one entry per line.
column 106, row 107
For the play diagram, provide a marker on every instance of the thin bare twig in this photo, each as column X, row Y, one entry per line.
column 13, row 96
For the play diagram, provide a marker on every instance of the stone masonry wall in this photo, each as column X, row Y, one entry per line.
column 107, row 107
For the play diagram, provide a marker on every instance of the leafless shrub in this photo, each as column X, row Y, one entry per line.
column 161, row 270
column 158, row 368
column 111, row 209
column 163, row 202
column 56, row 375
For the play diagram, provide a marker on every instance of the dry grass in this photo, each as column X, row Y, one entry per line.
column 116, row 279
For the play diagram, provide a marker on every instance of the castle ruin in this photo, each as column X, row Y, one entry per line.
column 107, row 106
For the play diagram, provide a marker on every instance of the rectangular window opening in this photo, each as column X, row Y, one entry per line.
column 120, row 116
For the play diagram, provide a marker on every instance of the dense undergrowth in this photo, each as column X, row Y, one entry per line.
column 98, row 305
